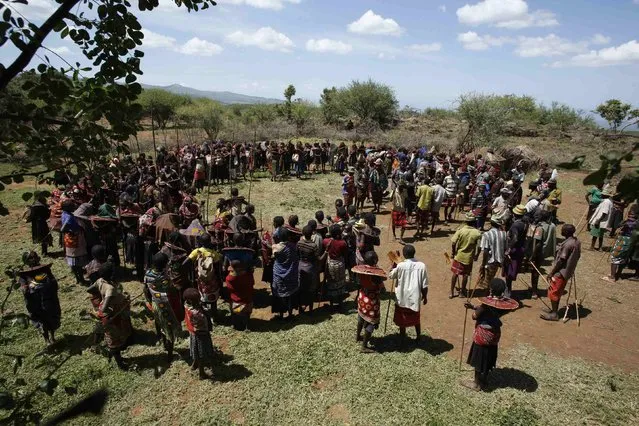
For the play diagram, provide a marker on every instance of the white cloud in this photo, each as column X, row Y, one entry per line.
column 265, row 38
column 385, row 56
column 62, row 50
column 328, row 46
column 618, row 55
column 550, row 45
column 442, row 8
column 198, row 47
column 511, row 14
column 373, row 24
column 635, row 1
column 193, row 47
column 260, row 4
column 36, row 9
column 473, row 41
column 155, row 40
column 538, row 18
column 425, row 48
column 601, row 39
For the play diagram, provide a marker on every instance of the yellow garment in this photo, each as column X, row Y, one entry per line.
column 424, row 197
column 465, row 240
column 204, row 252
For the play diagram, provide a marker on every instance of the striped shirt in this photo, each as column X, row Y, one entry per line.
column 495, row 242
column 450, row 184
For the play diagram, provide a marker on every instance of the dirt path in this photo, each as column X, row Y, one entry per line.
column 606, row 333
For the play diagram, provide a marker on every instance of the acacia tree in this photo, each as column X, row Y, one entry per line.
column 73, row 115
column 302, row 113
column 616, row 113
column 288, row 105
column 204, row 114
column 371, row 101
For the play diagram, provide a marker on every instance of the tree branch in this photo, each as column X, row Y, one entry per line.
column 41, row 172
column 30, row 50
column 16, row 117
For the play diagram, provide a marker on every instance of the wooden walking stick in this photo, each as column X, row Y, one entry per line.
column 547, row 283
column 470, row 296
column 395, row 259
column 576, row 302
column 568, row 302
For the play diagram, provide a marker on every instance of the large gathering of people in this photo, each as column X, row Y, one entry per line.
column 144, row 214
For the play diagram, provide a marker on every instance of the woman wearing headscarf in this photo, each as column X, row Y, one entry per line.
column 75, row 246
column 285, row 284
column 113, row 309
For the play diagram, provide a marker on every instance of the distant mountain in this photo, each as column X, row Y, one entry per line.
column 222, row 97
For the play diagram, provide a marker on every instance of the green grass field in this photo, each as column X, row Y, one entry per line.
column 306, row 372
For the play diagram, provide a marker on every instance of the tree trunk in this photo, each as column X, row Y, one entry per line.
column 36, row 42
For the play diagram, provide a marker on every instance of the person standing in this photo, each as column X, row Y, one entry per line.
column 40, row 290
column 399, row 220
column 368, row 302
column 493, row 245
column 451, row 184
column 411, row 288
column 464, row 250
column 424, row 194
column 563, row 269
column 593, row 198
column 241, row 286
column 439, row 193
column 348, row 187
column 483, row 352
column 335, row 274
column 157, row 291
column 379, row 183
column 113, row 310
column 515, row 248
column 39, row 213
column 601, row 219
column 308, row 253
column 200, row 344
column 285, row 287
column 75, row 246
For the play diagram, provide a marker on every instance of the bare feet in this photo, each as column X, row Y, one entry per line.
column 470, row 384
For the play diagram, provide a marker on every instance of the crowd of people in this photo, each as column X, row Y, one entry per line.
column 189, row 262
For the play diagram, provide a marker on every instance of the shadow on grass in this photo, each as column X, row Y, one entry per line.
column 501, row 378
column 323, row 313
column 572, row 315
column 394, row 343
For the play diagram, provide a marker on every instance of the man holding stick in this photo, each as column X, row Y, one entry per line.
column 411, row 287
column 563, row 269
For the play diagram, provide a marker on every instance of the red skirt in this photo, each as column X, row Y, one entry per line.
column 556, row 289
column 459, row 268
column 399, row 218
column 405, row 317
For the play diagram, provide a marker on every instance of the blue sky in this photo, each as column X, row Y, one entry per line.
column 430, row 51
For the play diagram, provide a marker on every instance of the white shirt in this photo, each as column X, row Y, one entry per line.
column 532, row 205
column 602, row 214
column 438, row 197
column 412, row 278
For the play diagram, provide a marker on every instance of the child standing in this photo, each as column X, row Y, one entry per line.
column 200, row 344
column 368, row 301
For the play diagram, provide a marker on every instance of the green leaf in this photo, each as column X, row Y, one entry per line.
column 42, row 68
column 27, row 196
column 6, row 401
column 7, row 14
column 130, row 78
column 18, row 178
column 65, row 32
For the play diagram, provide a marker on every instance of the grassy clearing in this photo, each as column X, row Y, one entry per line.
column 307, row 372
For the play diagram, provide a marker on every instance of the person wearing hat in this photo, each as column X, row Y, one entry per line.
column 600, row 220
column 563, row 269
column 348, row 187
column 483, row 352
column 516, row 243
column 40, row 290
column 493, row 246
column 379, row 183
column 75, row 246
column 465, row 251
